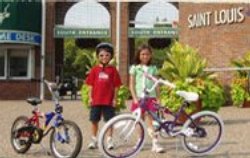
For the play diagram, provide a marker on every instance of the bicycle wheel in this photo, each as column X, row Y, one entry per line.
column 66, row 140
column 203, row 134
column 128, row 136
column 20, row 141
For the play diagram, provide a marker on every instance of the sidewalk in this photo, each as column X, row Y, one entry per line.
column 235, row 142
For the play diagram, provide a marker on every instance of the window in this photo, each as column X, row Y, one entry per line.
column 2, row 63
column 16, row 63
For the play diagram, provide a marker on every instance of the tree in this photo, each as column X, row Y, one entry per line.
column 77, row 61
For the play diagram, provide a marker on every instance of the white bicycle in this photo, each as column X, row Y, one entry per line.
column 201, row 132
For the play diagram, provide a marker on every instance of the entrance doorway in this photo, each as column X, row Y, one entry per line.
column 85, row 25
column 154, row 23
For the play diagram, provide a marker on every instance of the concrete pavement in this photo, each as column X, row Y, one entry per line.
column 235, row 142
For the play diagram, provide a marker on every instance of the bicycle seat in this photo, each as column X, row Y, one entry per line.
column 34, row 101
column 188, row 96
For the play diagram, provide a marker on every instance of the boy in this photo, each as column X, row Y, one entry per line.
column 104, row 80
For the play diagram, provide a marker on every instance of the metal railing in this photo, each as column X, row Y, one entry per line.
column 226, row 69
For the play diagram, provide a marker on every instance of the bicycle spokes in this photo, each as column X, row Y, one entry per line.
column 66, row 140
column 203, row 135
column 20, row 138
column 127, row 136
column 63, row 136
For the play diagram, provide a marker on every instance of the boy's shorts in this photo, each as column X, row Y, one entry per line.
column 96, row 112
column 149, row 105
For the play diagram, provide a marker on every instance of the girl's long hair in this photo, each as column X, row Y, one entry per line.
column 138, row 52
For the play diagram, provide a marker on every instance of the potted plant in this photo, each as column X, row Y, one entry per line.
column 185, row 67
column 211, row 96
column 240, row 87
column 239, row 93
column 172, row 101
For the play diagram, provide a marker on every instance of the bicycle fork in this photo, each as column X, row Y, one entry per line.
column 129, row 126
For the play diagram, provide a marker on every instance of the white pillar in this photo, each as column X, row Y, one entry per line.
column 42, row 73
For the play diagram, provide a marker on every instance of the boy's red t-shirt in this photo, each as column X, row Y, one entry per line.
column 103, row 82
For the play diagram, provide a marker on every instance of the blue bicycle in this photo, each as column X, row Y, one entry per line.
column 65, row 137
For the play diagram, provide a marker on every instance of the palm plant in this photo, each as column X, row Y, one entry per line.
column 242, row 63
column 185, row 67
column 87, row 59
column 77, row 61
column 184, row 62
column 240, row 92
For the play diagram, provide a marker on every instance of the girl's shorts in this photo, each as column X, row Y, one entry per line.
column 149, row 105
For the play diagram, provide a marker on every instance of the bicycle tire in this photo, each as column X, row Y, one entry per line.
column 54, row 139
column 126, row 149
column 19, row 148
column 201, row 133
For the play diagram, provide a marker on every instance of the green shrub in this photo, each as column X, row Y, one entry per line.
column 210, row 94
column 85, row 96
column 122, row 95
column 239, row 91
column 171, row 100
column 239, row 86
column 184, row 62
column 185, row 67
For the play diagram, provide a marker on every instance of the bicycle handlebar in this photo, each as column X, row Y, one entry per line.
column 51, row 85
column 157, row 81
column 53, row 88
column 188, row 96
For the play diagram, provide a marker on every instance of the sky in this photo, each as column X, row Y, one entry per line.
column 90, row 14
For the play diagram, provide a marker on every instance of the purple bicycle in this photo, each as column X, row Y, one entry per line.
column 200, row 133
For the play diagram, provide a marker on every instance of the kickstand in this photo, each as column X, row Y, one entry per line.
column 45, row 150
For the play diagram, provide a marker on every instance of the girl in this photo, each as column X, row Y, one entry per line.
column 137, row 83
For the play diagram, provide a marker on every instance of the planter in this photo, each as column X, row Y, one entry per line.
column 182, row 118
column 246, row 104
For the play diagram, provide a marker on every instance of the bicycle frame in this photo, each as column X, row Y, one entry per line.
column 169, row 129
column 168, row 126
column 52, row 120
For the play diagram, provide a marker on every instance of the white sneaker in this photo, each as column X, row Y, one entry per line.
column 93, row 143
column 151, row 132
column 157, row 147
column 110, row 143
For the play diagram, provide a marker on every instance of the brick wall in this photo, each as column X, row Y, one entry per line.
column 22, row 89
column 18, row 90
column 219, row 44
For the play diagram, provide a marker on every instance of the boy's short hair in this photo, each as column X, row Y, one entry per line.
column 108, row 47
